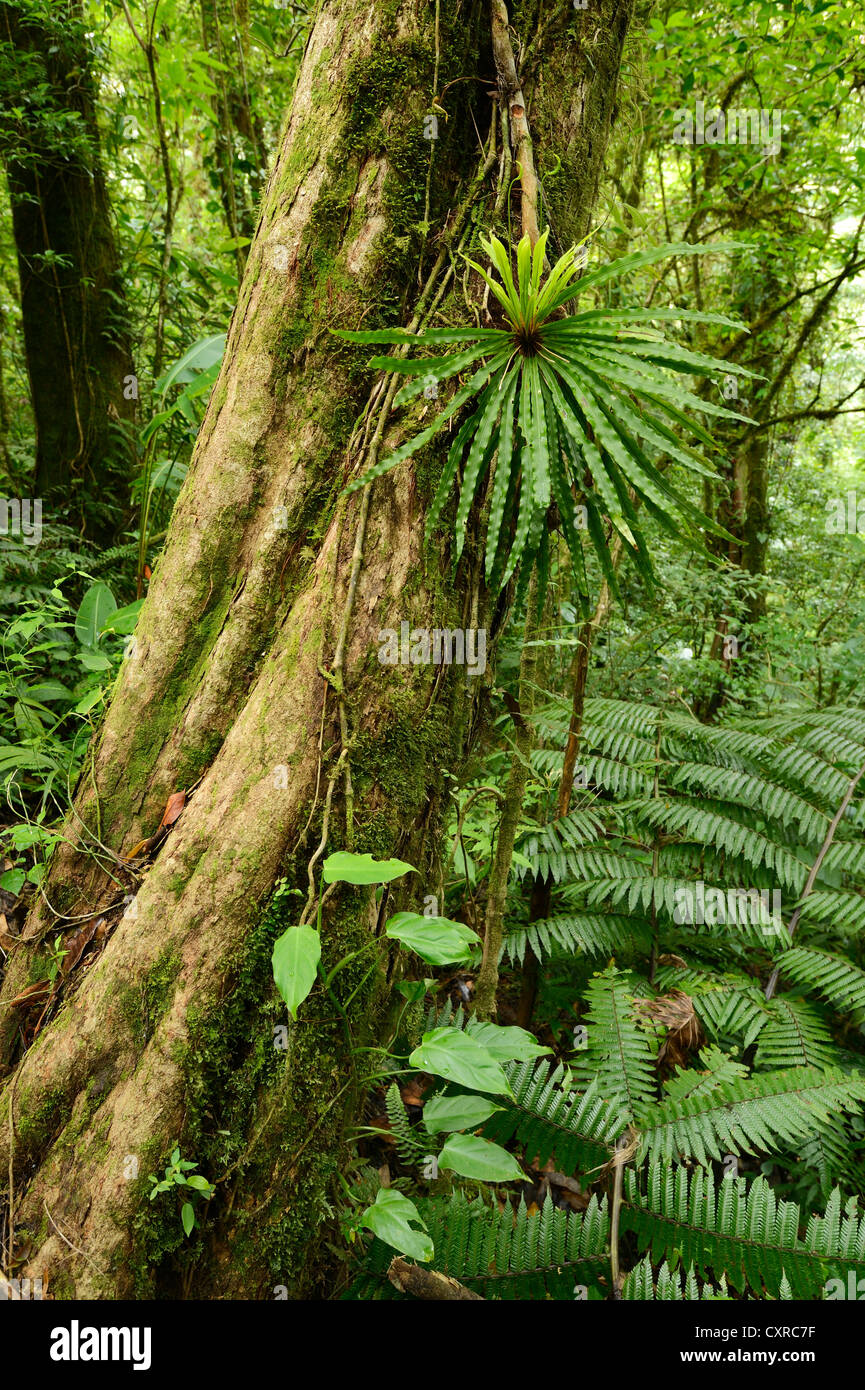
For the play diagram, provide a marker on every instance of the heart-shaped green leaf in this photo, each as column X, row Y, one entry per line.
column 362, row 868
column 444, row 1114
column 414, row 990
column 295, row 961
column 478, row 1158
column 505, row 1044
column 452, row 1054
column 389, row 1218
column 436, row 940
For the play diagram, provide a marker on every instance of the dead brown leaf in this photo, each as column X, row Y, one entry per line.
column 76, row 945
column 34, row 993
column 173, row 807
column 674, row 1011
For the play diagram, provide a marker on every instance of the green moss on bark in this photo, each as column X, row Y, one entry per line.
column 143, row 1004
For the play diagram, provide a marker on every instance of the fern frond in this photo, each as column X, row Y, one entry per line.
column 580, row 933
column 730, row 1006
column 840, row 909
column 794, row 1036
column 743, row 1232
column 670, row 1286
column 700, row 822
column 717, row 1068
column 620, row 1056
column 578, row 1130
column 553, row 842
column 505, row 1254
column 768, row 1111
column 410, row 1146
column 832, row 976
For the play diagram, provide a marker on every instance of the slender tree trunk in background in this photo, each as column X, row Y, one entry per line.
column 5, row 420
column 72, row 306
column 743, row 507
column 233, row 689
column 542, row 888
column 754, row 457
column 238, row 216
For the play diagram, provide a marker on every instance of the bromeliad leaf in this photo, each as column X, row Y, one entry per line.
column 581, row 388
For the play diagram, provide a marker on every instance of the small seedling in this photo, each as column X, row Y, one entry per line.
column 178, row 1173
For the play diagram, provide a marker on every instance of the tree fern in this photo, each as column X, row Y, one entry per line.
column 552, row 1120
column 715, row 1069
column 729, row 1005
column 794, row 1035
column 574, row 934
column 831, row 976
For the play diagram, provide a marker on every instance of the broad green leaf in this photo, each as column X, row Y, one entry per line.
column 13, row 880
column 457, row 401
column 187, row 1216
column 453, row 1055
column 203, row 353
column 629, row 316
column 95, row 661
column 524, row 519
column 392, row 1218
column 199, row 1183
column 479, row 1159
column 431, row 337
column 449, row 472
column 443, row 1114
column 436, row 940
column 88, row 701
column 414, row 990
column 613, row 269
column 683, row 360
column 95, row 609
column 427, row 369
column 344, row 867
column 296, row 955
column 14, row 756
column 45, row 691
column 537, row 438
column 503, row 473
column 505, row 1044
column 479, row 453
column 26, row 836
column 123, row 620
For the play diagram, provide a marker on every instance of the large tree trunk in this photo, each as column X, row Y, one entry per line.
column 72, row 306
column 168, row 1037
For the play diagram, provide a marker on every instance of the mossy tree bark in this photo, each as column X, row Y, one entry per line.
column 168, row 1037
column 72, row 303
